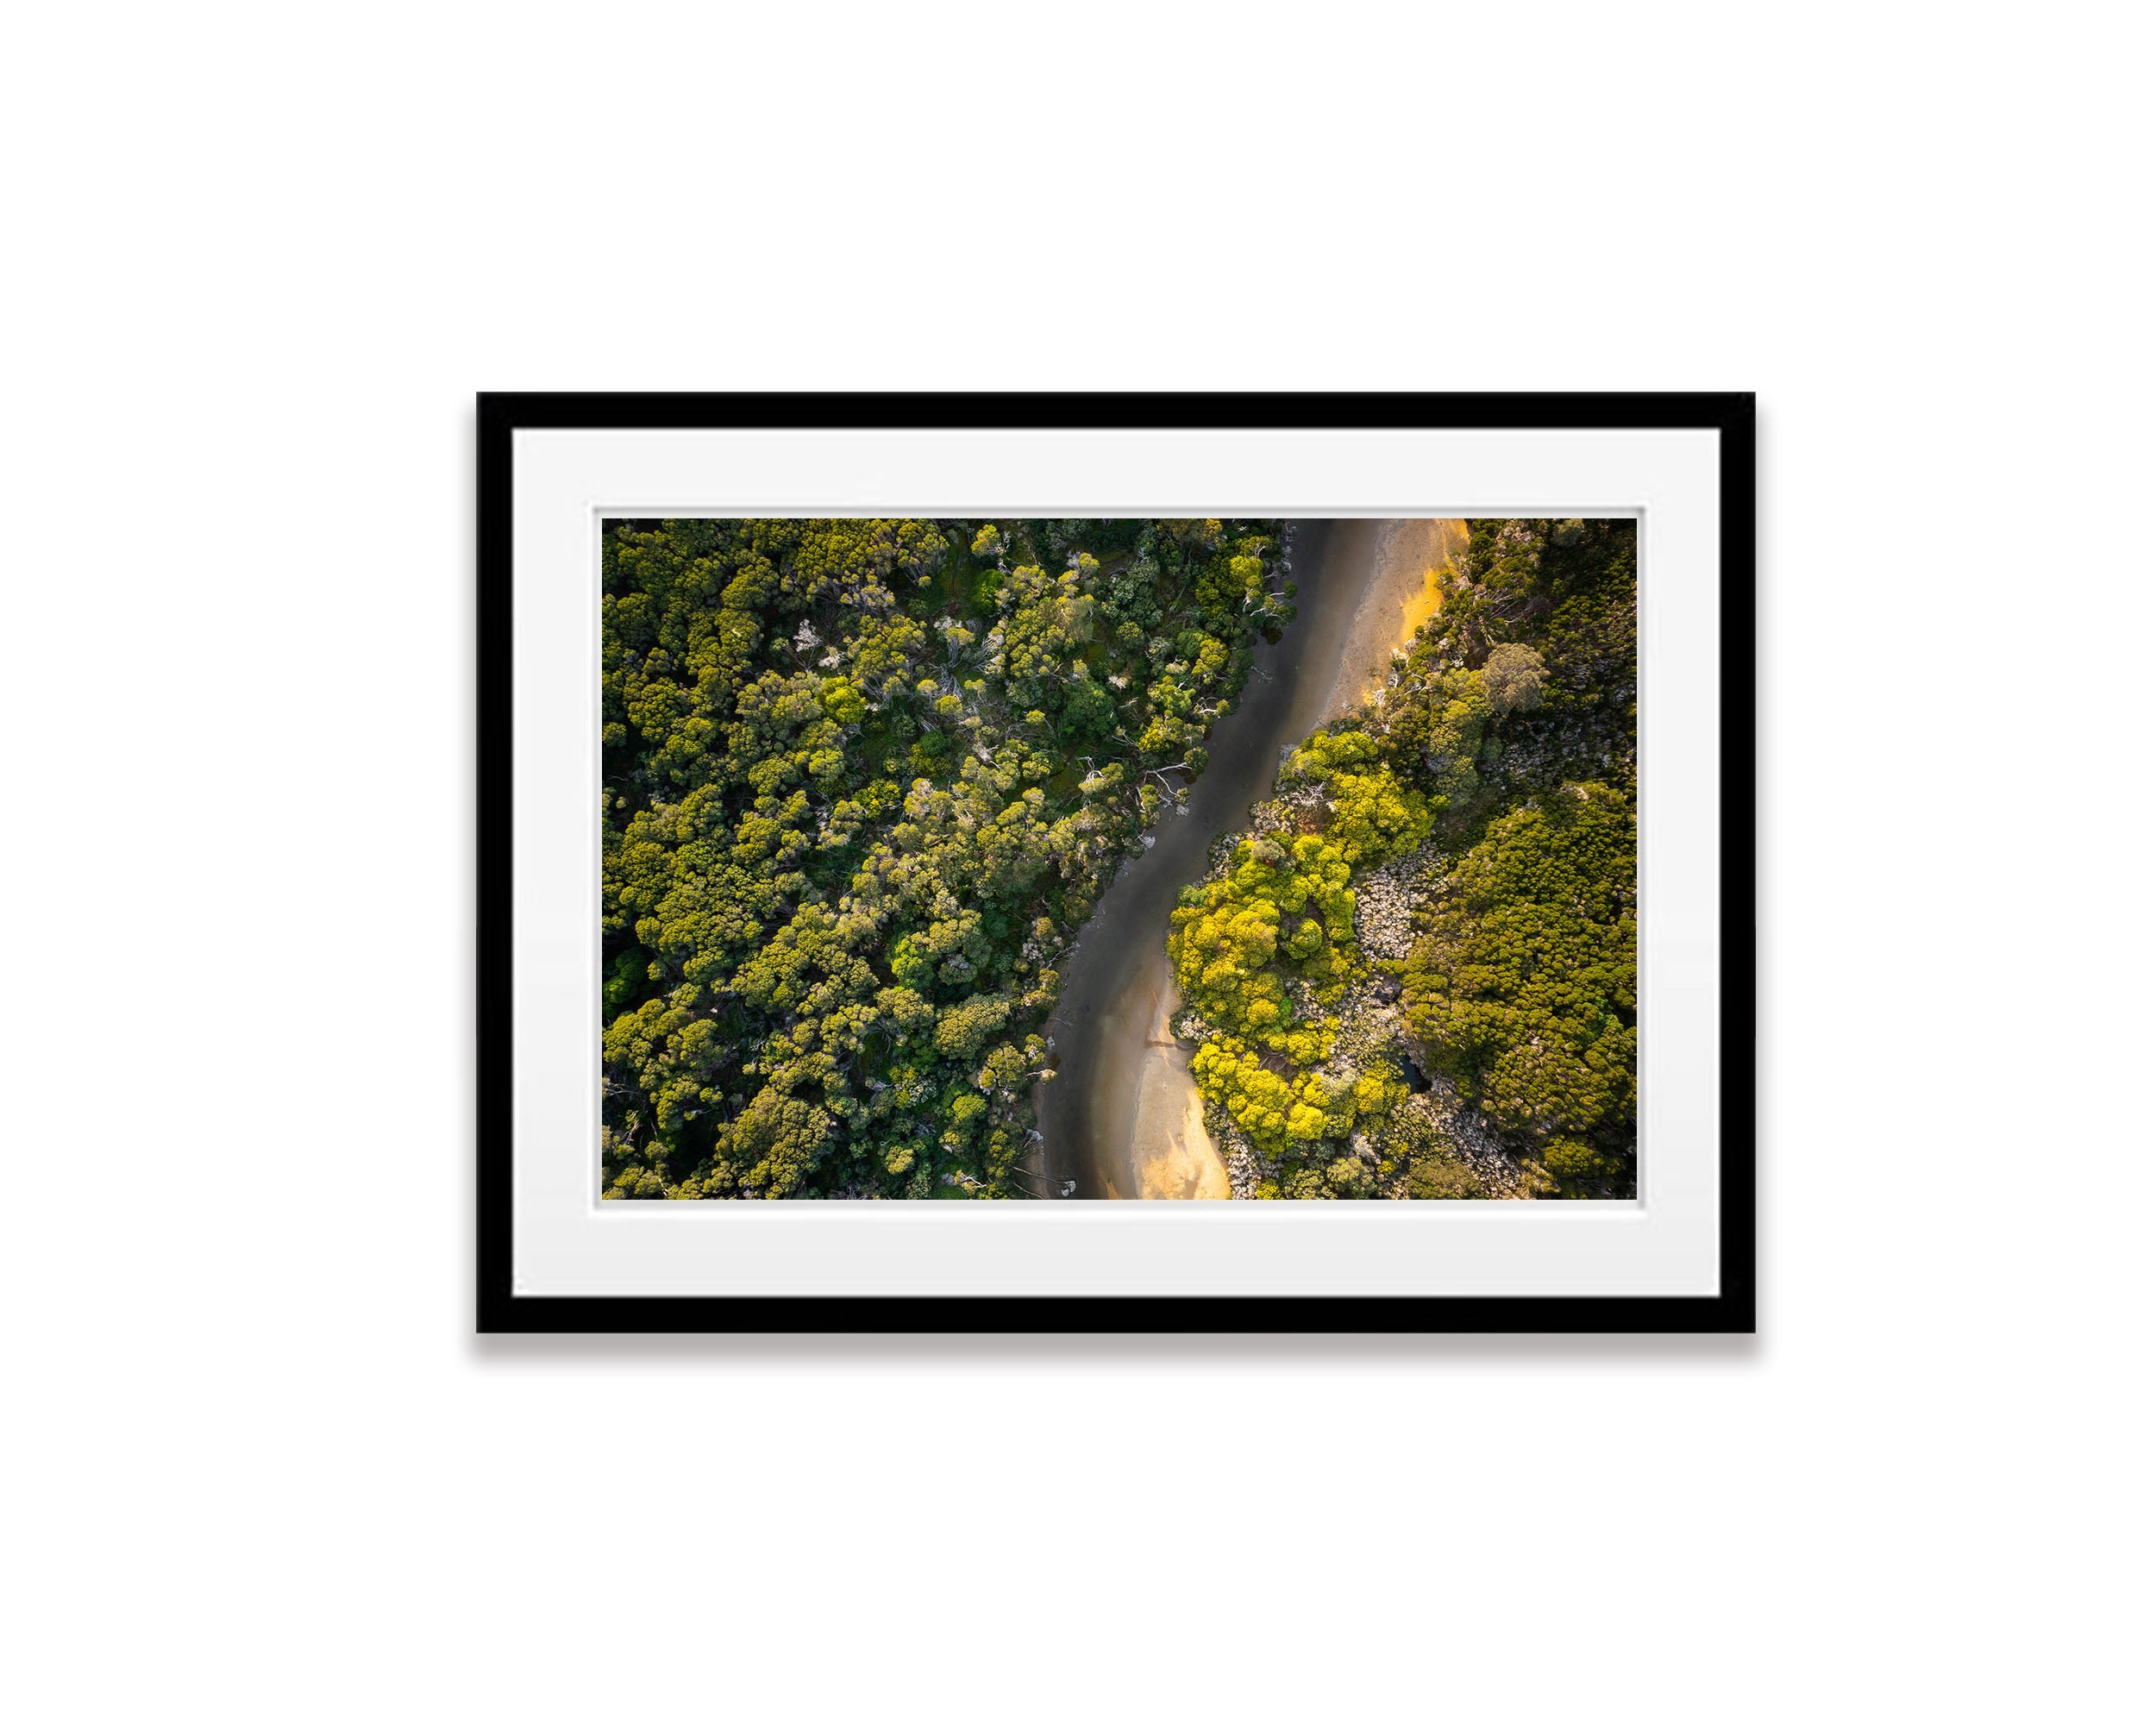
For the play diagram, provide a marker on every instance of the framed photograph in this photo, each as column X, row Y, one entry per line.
column 1116, row 862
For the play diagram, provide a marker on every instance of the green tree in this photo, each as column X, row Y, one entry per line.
column 844, row 830
column 1498, row 772
column 1512, row 677
column 1524, row 992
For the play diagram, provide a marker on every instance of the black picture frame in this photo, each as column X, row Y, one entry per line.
column 1733, row 1309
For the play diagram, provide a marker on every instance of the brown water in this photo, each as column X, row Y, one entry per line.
column 1119, row 1066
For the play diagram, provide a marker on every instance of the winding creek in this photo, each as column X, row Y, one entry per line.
column 1121, row 1119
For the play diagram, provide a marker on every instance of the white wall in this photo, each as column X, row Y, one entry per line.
column 259, row 259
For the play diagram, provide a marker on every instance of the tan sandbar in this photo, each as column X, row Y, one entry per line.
column 1172, row 1152
column 1406, row 588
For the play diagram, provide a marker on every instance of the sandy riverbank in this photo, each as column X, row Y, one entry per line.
column 1173, row 1154
column 1402, row 592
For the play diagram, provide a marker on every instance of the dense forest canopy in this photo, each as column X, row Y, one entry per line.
column 1444, row 890
column 863, row 781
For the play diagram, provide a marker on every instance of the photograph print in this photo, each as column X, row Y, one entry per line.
column 1041, row 860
